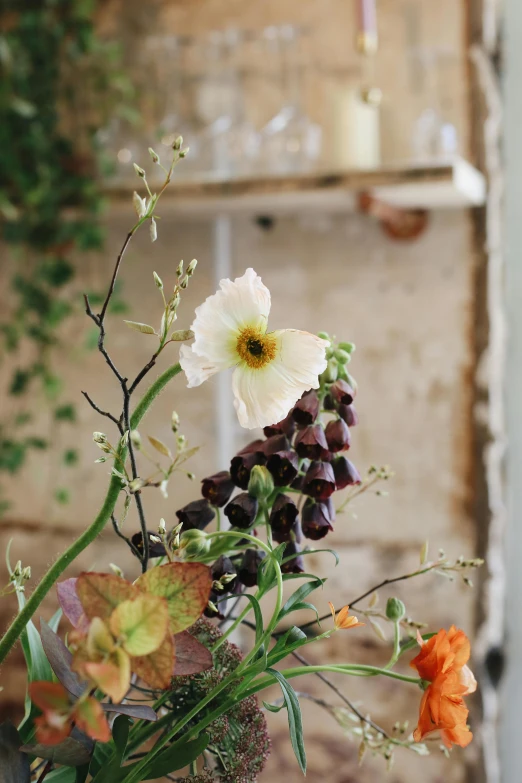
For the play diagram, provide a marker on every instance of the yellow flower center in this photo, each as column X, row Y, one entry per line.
column 255, row 348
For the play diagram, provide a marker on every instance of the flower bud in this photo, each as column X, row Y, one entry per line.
column 158, row 281
column 319, row 481
column 260, row 483
column 282, row 519
column 162, row 527
column 196, row 515
column 286, row 427
column 337, row 435
column 306, row 409
column 154, row 155
column 247, row 573
column 296, row 565
column 330, row 374
column 139, row 204
column 342, row 392
column 221, row 570
column 135, row 438
column 218, row 488
column 26, row 574
column 211, row 609
column 174, row 421
column 242, row 511
column 316, row 519
column 194, row 544
column 395, row 609
column 135, row 485
column 139, row 171
column 192, row 267
column 241, row 467
column 348, row 414
column 284, row 466
column 311, row 442
column 116, row 570
column 156, row 547
column 177, row 143
column 99, row 437
column 345, row 472
column 153, row 230
column 184, row 153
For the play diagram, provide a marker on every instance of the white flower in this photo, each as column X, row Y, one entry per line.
column 272, row 369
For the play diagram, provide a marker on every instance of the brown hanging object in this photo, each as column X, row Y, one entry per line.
column 400, row 224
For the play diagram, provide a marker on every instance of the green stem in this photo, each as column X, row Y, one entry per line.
column 350, row 669
column 396, row 645
column 81, row 543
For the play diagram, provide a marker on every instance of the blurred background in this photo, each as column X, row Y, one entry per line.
column 349, row 151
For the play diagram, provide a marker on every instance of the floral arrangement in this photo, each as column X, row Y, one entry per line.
column 138, row 679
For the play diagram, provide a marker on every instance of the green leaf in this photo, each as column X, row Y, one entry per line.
column 65, row 413
column 295, row 601
column 290, row 641
column 120, row 734
column 138, row 327
column 273, row 707
column 312, row 552
column 179, row 755
column 62, row 775
column 295, row 720
column 258, row 614
column 266, row 572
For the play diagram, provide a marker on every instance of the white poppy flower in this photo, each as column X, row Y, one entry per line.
column 272, row 369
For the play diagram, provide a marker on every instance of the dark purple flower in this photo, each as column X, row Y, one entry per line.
column 156, row 548
column 241, row 467
column 337, row 435
column 255, row 446
column 348, row 414
column 274, row 444
column 345, row 472
column 282, row 518
column 319, row 481
column 306, row 409
column 286, row 426
column 311, row 442
column 222, row 566
column 296, row 565
column 284, row 466
column 218, row 488
column 242, row 510
column 342, row 392
column 328, row 403
column 196, row 515
column 247, row 573
column 316, row 519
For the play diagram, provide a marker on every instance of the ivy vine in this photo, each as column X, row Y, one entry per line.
column 57, row 80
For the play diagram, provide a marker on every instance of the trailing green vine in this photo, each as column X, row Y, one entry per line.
column 48, row 156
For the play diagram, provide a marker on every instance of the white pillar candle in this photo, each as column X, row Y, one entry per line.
column 355, row 130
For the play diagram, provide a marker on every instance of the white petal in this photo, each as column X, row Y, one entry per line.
column 264, row 397
column 240, row 303
column 197, row 368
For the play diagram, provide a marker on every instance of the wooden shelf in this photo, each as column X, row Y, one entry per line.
column 456, row 185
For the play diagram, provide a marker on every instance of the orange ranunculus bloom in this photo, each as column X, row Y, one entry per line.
column 442, row 661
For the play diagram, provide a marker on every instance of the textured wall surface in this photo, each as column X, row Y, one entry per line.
column 409, row 309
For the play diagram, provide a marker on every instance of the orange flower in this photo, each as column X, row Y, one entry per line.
column 343, row 619
column 442, row 661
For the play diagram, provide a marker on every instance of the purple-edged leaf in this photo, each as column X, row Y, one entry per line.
column 192, row 657
column 72, row 751
column 141, row 711
column 60, row 659
column 14, row 765
column 70, row 603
